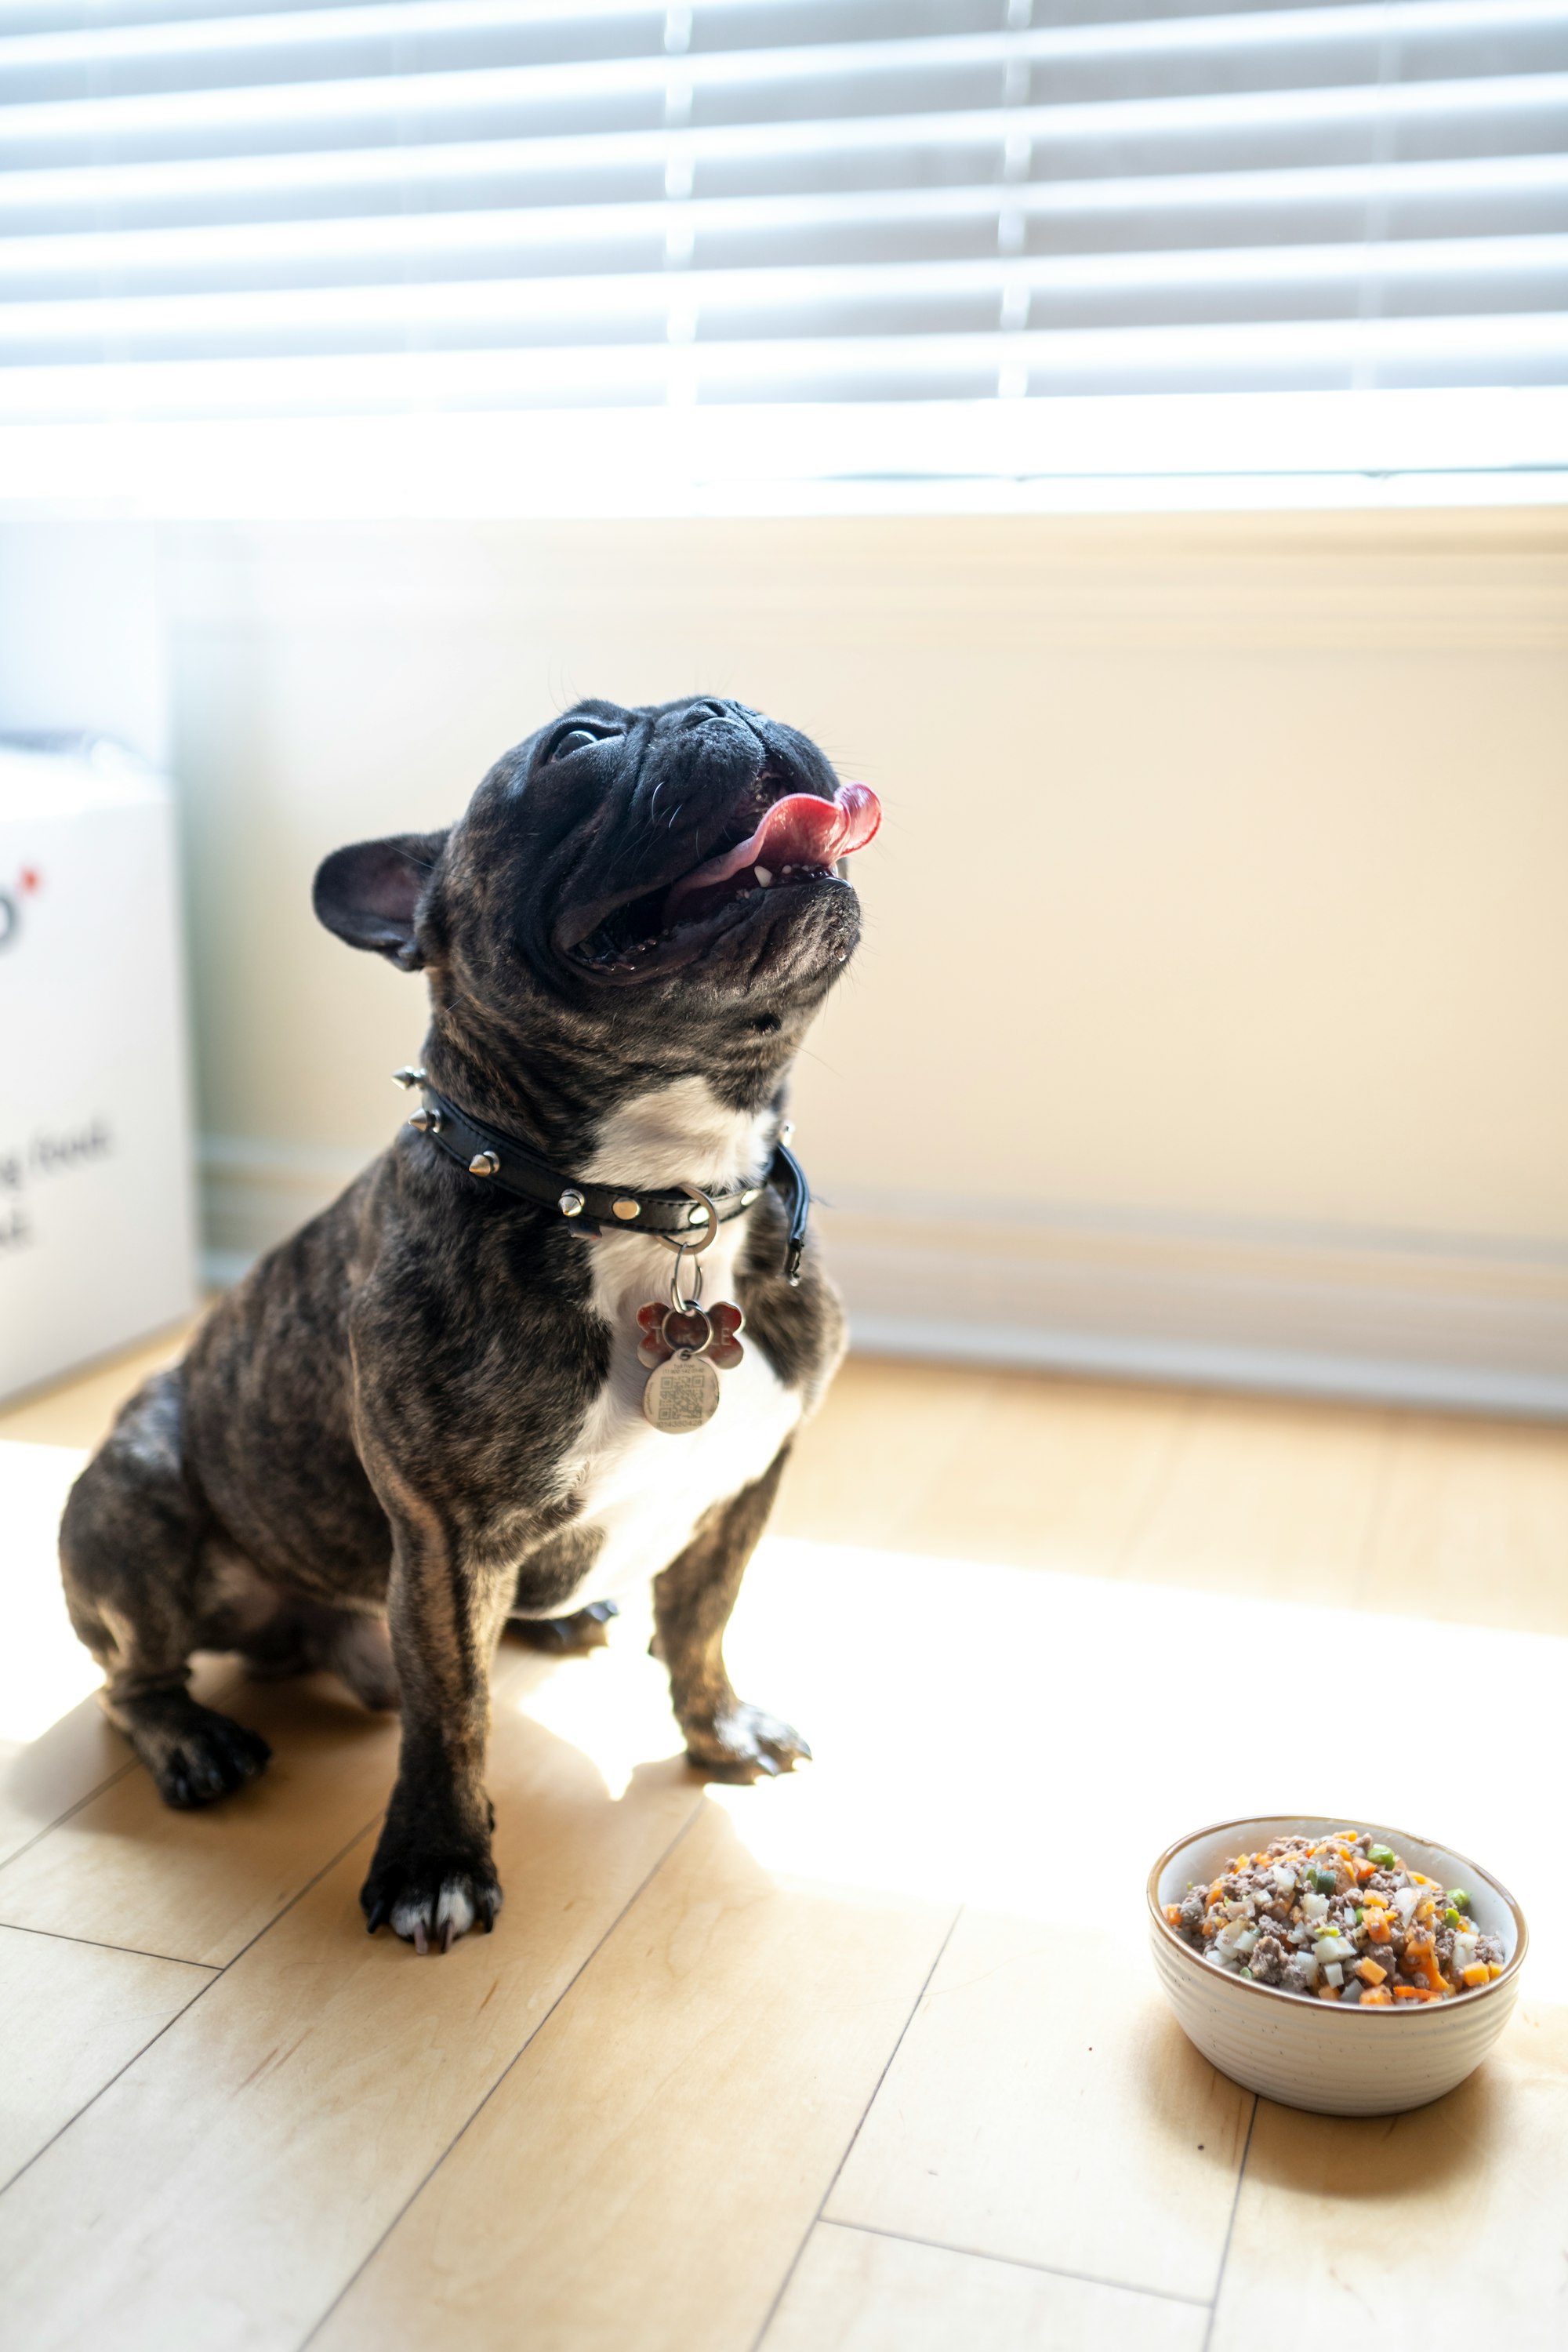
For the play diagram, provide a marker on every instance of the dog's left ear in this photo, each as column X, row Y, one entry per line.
column 369, row 894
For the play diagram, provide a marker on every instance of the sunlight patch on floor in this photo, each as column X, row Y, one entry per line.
column 43, row 1670
column 1018, row 1738
column 1029, row 1741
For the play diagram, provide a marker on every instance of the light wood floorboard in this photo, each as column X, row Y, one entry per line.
column 1042, row 2108
column 857, row 2292
column 74, row 2015
column 124, row 1869
column 1263, row 1497
column 690, row 2098
column 1474, row 1525
column 1433, row 2228
column 225, row 2189
column 870, row 2058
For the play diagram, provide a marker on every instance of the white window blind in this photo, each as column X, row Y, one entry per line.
column 1026, row 227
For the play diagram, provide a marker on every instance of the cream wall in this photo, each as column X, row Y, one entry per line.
column 1213, row 1013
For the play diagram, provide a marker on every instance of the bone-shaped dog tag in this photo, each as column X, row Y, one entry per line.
column 681, row 1393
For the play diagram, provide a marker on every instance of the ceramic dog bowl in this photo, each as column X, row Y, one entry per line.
column 1315, row 2053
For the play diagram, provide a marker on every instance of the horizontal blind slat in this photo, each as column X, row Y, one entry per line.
column 1359, row 34
column 413, row 241
column 624, row 305
column 518, row 203
column 296, row 33
column 1283, row 355
column 1492, row 101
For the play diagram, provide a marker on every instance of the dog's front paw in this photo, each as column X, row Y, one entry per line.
column 193, row 1754
column 738, row 1742
column 428, row 1898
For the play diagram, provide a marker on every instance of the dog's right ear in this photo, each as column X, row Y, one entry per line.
column 369, row 894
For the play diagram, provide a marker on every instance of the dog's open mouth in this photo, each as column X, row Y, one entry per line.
column 798, row 843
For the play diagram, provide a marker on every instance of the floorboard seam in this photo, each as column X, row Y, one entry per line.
column 200, row 1993
column 1230, row 2225
column 424, row 2182
column 772, row 2311
column 100, row 1944
column 1020, row 2263
column 71, row 1811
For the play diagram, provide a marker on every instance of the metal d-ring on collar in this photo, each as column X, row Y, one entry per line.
column 693, row 1250
column 499, row 1161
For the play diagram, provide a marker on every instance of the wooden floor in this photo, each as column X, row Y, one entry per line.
column 869, row 2061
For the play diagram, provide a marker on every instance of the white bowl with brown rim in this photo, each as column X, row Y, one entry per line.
column 1333, row 2060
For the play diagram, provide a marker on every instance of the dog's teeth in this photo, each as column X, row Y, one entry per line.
column 763, row 877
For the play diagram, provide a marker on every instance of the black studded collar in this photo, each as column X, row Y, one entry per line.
column 500, row 1161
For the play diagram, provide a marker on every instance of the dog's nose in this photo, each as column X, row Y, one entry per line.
column 706, row 710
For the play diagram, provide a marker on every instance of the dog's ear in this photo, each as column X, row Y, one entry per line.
column 370, row 893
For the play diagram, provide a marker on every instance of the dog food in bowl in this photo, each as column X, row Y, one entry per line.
column 1341, row 1918
column 1334, row 2056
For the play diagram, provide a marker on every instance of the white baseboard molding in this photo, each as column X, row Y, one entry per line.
column 1280, row 1371
column 1461, row 1323
column 1454, row 1323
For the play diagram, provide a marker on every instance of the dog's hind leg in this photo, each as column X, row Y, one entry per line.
column 693, row 1599
column 132, row 1555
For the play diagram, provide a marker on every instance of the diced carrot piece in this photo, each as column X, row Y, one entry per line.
column 1375, row 2000
column 1369, row 1972
column 1174, row 1913
column 1496, row 1966
column 1421, row 1959
column 1379, row 1930
column 1410, row 1992
column 1328, row 1993
column 1478, row 1973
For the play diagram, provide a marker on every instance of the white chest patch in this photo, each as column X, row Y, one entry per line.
column 644, row 1490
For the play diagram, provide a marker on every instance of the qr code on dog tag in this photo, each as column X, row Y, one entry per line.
column 681, row 1394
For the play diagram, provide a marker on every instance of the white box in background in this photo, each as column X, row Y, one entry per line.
column 97, row 1232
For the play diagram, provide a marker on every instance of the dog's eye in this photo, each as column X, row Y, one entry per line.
column 576, row 739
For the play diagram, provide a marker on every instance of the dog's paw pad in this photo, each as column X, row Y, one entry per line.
column 209, row 1758
column 745, row 1744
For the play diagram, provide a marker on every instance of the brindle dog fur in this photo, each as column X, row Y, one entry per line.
column 368, row 1436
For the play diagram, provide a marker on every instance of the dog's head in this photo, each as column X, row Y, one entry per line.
column 666, row 872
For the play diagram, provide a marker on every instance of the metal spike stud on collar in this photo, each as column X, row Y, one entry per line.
column 503, row 1164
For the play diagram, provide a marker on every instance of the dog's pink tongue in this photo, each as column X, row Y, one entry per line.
column 799, row 831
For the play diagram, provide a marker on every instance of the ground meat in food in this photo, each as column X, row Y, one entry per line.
column 1381, row 1912
column 1267, row 1962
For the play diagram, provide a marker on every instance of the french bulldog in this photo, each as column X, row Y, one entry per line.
column 426, row 1412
